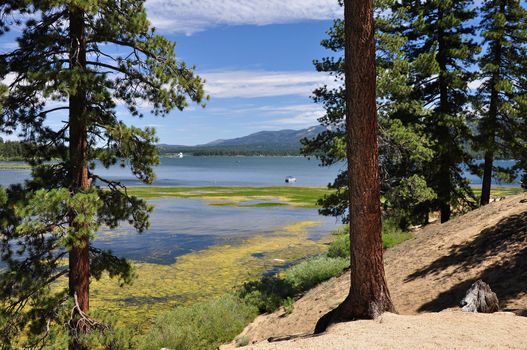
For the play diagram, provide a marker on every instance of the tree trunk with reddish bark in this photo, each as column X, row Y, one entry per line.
column 368, row 296
column 79, row 264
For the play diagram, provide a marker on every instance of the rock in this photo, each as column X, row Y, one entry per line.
column 480, row 298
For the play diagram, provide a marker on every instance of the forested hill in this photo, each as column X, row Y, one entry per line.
column 282, row 142
column 11, row 150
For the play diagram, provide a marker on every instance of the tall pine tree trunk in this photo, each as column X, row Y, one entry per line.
column 79, row 265
column 444, row 190
column 368, row 296
column 490, row 129
column 490, row 142
column 487, row 177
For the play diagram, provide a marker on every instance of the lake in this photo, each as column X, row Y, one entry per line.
column 181, row 226
column 231, row 171
column 195, row 250
column 216, row 171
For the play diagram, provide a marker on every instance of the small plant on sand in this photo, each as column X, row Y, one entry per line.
column 242, row 341
column 288, row 305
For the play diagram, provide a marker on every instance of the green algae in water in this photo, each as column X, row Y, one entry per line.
column 303, row 197
column 203, row 274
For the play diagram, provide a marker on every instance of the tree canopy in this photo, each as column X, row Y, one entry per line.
column 79, row 62
column 405, row 150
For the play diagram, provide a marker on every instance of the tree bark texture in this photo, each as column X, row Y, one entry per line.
column 79, row 264
column 368, row 296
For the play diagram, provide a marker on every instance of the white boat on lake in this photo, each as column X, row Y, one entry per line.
column 290, row 179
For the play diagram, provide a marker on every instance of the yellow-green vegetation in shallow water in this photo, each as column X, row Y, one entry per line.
column 303, row 197
column 14, row 166
column 204, row 274
column 500, row 191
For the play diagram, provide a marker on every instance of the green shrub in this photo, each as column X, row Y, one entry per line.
column 270, row 292
column 311, row 272
column 267, row 293
column 200, row 326
column 242, row 341
column 393, row 235
column 340, row 247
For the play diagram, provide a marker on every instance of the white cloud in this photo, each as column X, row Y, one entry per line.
column 275, row 117
column 474, row 85
column 251, row 84
column 305, row 119
column 303, row 115
column 190, row 16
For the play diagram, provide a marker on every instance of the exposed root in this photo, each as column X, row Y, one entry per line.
column 80, row 323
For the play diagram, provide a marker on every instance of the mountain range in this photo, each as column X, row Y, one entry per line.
column 281, row 142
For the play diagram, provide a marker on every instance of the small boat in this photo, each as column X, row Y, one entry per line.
column 180, row 155
column 290, row 179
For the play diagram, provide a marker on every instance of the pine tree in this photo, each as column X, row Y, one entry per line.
column 440, row 43
column 82, row 58
column 369, row 295
column 404, row 149
column 502, row 68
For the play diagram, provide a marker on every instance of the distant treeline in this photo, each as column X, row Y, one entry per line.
column 11, row 150
column 229, row 151
column 14, row 150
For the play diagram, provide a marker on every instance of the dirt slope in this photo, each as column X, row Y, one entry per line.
column 432, row 271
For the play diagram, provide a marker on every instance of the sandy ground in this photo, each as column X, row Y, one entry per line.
column 444, row 330
column 432, row 272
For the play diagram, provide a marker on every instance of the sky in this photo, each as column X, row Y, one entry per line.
column 256, row 57
column 257, row 60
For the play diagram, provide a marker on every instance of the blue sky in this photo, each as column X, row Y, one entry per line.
column 258, row 77
column 256, row 57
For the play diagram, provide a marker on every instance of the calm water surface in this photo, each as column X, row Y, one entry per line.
column 216, row 171
column 181, row 226
column 231, row 171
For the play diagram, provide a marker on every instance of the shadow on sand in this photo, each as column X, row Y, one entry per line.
column 501, row 249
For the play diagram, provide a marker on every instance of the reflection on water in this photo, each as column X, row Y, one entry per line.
column 181, row 226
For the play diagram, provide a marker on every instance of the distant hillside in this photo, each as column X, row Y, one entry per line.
column 281, row 142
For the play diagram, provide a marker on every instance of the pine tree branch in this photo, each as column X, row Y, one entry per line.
column 130, row 74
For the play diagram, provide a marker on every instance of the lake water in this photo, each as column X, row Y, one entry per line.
column 216, row 171
column 231, row 171
column 181, row 226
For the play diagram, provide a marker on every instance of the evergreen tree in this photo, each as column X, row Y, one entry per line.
column 404, row 149
column 502, row 69
column 440, row 43
column 369, row 296
column 81, row 58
